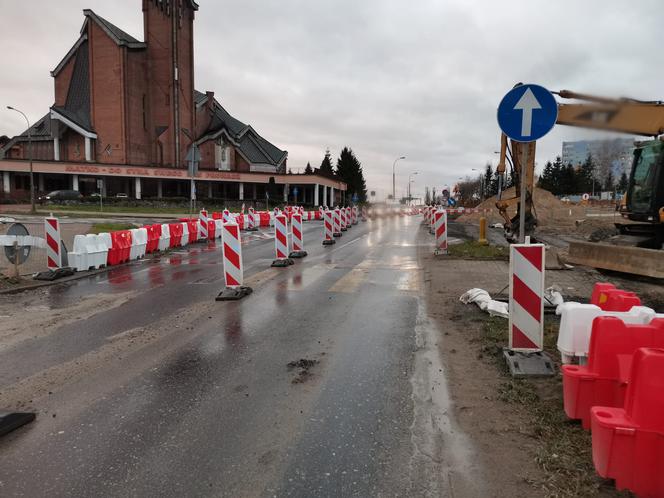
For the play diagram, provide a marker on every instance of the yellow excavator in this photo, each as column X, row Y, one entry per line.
column 642, row 237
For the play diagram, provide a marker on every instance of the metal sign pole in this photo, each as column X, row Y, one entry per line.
column 522, row 203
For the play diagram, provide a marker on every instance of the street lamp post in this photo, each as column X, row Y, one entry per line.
column 32, row 179
column 410, row 200
column 394, row 195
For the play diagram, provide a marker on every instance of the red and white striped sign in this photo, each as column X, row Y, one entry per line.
column 337, row 221
column 296, row 230
column 342, row 220
column 53, row 245
column 355, row 215
column 364, row 214
column 349, row 217
column 526, row 306
column 440, row 231
column 328, row 226
column 281, row 236
column 253, row 219
column 226, row 216
column 232, row 251
column 202, row 225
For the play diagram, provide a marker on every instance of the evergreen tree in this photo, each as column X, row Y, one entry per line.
column 568, row 183
column 546, row 179
column 326, row 166
column 308, row 170
column 290, row 171
column 586, row 176
column 349, row 171
column 623, row 183
column 609, row 183
column 486, row 183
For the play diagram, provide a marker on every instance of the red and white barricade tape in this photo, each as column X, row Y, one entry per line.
column 440, row 231
column 526, row 304
column 53, row 243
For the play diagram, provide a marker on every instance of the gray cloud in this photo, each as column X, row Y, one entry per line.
column 386, row 77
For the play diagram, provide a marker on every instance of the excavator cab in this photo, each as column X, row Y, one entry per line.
column 645, row 195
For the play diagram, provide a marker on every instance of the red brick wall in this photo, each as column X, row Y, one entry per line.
column 107, row 99
column 240, row 163
column 139, row 147
column 72, row 146
column 158, row 36
column 62, row 80
column 207, row 155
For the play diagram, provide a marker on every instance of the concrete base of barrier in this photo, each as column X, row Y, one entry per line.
column 234, row 293
column 51, row 275
column 254, row 229
column 281, row 263
column 10, row 421
column 536, row 364
column 329, row 242
column 344, row 229
column 298, row 254
column 338, row 234
column 440, row 252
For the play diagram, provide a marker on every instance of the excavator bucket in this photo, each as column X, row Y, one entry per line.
column 634, row 260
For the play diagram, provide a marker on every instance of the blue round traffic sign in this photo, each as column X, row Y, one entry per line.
column 527, row 113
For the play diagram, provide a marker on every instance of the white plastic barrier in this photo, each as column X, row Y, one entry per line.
column 105, row 240
column 576, row 321
column 78, row 256
column 165, row 239
column 97, row 251
column 218, row 226
column 185, row 234
column 139, row 241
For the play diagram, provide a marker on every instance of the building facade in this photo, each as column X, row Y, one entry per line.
column 127, row 112
column 620, row 152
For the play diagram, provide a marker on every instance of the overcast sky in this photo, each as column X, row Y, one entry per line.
column 386, row 77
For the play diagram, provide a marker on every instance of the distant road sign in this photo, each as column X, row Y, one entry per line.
column 23, row 251
column 527, row 113
column 295, row 191
column 355, row 198
column 373, row 193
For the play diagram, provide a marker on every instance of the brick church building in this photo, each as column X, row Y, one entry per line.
column 127, row 112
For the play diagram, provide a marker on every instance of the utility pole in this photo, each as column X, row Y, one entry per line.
column 394, row 195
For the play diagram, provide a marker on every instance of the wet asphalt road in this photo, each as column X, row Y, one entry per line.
column 173, row 394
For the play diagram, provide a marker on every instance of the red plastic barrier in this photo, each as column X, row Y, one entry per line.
column 211, row 226
column 603, row 381
column 628, row 443
column 176, row 232
column 153, row 239
column 609, row 298
column 264, row 219
column 121, row 245
column 192, row 226
column 217, row 216
column 239, row 219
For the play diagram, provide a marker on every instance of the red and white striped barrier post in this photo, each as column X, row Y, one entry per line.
column 342, row 220
column 337, row 222
column 440, row 227
column 281, row 241
column 252, row 220
column 233, row 267
column 53, row 243
column 202, row 225
column 432, row 220
column 349, row 217
column 364, row 213
column 298, row 238
column 526, row 304
column 328, row 228
column 355, row 216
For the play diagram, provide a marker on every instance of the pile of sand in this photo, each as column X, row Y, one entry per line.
column 549, row 210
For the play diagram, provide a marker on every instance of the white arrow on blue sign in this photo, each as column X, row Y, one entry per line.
column 527, row 113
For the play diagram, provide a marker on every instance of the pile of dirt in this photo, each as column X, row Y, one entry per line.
column 550, row 210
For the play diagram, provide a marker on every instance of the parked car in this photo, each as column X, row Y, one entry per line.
column 61, row 195
column 121, row 196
